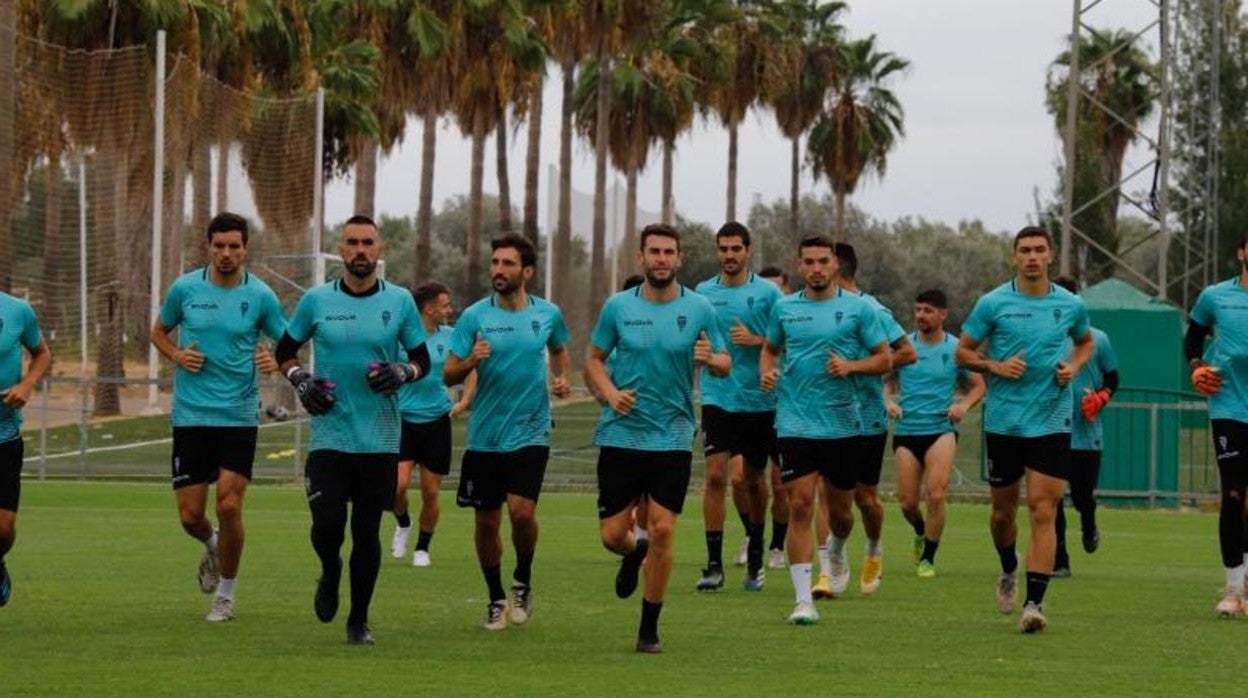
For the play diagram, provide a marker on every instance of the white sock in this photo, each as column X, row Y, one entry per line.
column 211, row 543
column 225, row 589
column 1235, row 579
column 640, row 533
column 825, row 560
column 875, row 548
column 837, row 545
column 800, row 573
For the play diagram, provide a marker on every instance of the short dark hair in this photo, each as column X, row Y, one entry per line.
column 361, row 219
column 428, row 292
column 633, row 282
column 1033, row 231
column 774, row 272
column 660, row 229
column 226, row 222
column 816, row 240
column 733, row 229
column 933, row 297
column 519, row 243
column 1069, row 283
column 847, row 258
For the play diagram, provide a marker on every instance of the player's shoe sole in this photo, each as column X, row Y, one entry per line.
column 209, row 572
column 925, row 570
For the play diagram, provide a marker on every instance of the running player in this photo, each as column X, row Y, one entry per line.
column 357, row 325
column 657, row 334
column 18, row 329
column 1026, row 322
column 779, row 496
column 737, row 415
column 219, row 312
column 426, row 409
column 505, row 338
column 1222, row 374
column 927, row 417
column 1092, row 390
column 817, row 414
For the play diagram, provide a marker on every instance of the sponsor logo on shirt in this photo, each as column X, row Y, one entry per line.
column 203, row 306
column 1015, row 316
column 638, row 323
column 339, row 317
column 493, row 330
column 796, row 318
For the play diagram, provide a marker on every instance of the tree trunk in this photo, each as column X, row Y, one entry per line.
column 626, row 252
column 795, row 170
column 730, row 213
column 563, row 231
column 223, row 177
column 53, row 316
column 201, row 192
column 839, row 235
column 109, row 315
column 424, row 213
column 597, row 268
column 175, row 251
column 504, row 180
column 366, row 179
column 472, row 269
column 669, row 205
column 533, row 166
column 8, row 144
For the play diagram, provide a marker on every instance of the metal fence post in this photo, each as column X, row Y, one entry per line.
column 43, row 429
column 1152, row 454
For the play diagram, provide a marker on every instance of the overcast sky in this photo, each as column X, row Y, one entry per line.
column 978, row 139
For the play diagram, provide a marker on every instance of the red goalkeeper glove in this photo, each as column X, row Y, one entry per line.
column 1093, row 403
column 1206, row 380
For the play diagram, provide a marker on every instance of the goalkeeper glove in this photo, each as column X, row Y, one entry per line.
column 1206, row 380
column 1093, row 403
column 315, row 393
column 387, row 378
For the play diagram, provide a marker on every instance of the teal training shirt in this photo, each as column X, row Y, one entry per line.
column 871, row 406
column 226, row 322
column 18, row 329
column 1085, row 435
column 651, row 345
column 810, row 402
column 1037, row 327
column 427, row 400
column 927, row 387
column 511, row 409
column 1224, row 308
column 348, row 333
column 749, row 304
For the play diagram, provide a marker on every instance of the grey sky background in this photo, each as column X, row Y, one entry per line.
column 978, row 138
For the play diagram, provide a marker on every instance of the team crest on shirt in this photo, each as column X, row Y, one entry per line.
column 681, row 321
column 1057, row 315
column 1, row 324
column 441, row 349
column 385, row 318
column 750, row 301
column 242, row 308
column 839, row 316
column 536, row 327
column 944, row 359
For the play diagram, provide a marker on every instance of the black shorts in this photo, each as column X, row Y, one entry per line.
column 1082, row 461
column 746, row 434
column 831, row 458
column 918, row 444
column 1230, row 445
column 199, row 453
column 428, row 444
column 332, row 478
column 868, row 458
column 624, row 474
column 486, row 477
column 11, row 454
column 1010, row 456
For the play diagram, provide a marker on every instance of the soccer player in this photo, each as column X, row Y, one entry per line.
column 1222, row 374
column 18, row 329
column 817, row 410
column 737, row 415
column 505, row 338
column 779, row 496
column 357, row 325
column 1025, row 322
column 1092, row 389
column 658, row 334
column 218, row 312
column 426, row 409
column 928, row 415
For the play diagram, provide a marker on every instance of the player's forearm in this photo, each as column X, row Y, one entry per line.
column 971, row 360
column 597, row 378
column 40, row 362
column 1082, row 353
column 904, row 353
column 455, row 370
column 720, row 365
column 975, row 392
column 559, row 363
column 877, row 364
column 164, row 345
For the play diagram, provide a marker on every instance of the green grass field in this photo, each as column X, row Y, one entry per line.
column 106, row 603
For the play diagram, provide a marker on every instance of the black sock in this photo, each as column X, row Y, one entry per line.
column 1060, row 524
column 494, row 580
column 524, row 568
column 754, row 547
column 649, row 630
column 745, row 522
column 778, row 532
column 422, row 540
column 918, row 524
column 929, row 549
column 715, row 549
column 1009, row 559
column 1037, row 583
column 404, row 519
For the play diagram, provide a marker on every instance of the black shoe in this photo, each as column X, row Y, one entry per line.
column 1061, row 565
column 630, row 568
column 326, row 601
column 712, row 579
column 359, row 635
column 1091, row 540
column 6, row 585
column 649, row 645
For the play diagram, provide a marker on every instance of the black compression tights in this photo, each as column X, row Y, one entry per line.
column 329, row 521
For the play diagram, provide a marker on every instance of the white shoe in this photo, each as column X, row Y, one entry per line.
column 398, row 544
column 775, row 559
column 1230, row 606
column 1033, row 618
column 1007, row 592
column 222, row 610
column 496, row 616
column 209, row 572
column 743, row 554
column 804, row 613
column 521, row 606
column 420, row 558
column 839, row 575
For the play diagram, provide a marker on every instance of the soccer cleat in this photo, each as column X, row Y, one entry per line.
column 872, row 574
column 1061, row 570
column 221, row 611
column 325, row 602
column 359, row 635
column 420, row 558
column 916, row 552
column 630, row 568
column 743, row 554
column 649, row 646
column 1091, row 540
column 754, row 580
column 712, row 579
column 840, row 575
column 1230, row 606
column 6, row 585
column 521, row 608
column 926, row 570
column 398, row 544
column 804, row 613
column 209, row 572
column 823, row 587
column 775, row 559
column 1033, row 618
column 1007, row 591
column 496, row 615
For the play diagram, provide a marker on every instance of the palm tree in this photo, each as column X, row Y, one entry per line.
column 861, row 122
column 430, row 37
column 566, row 37
column 8, row 105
